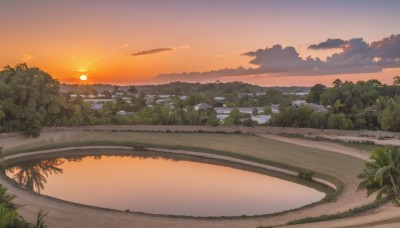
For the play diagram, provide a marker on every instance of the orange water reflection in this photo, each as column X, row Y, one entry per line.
column 162, row 186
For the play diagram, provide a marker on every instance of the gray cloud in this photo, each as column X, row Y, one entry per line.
column 328, row 44
column 357, row 56
column 151, row 52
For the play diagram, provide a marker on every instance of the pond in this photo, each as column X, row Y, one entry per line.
column 161, row 185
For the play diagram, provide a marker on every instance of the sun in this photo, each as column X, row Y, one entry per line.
column 83, row 77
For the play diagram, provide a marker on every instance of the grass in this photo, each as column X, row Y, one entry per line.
column 248, row 147
column 334, row 167
column 340, row 215
column 359, row 145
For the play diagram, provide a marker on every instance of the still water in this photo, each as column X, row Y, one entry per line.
column 159, row 185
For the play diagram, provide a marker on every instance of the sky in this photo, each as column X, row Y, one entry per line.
column 265, row 42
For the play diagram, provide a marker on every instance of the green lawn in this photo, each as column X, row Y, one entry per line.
column 249, row 147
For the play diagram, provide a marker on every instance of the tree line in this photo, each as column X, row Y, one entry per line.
column 361, row 105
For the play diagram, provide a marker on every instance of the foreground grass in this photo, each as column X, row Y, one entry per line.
column 249, row 147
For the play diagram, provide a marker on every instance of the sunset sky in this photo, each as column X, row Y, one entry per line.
column 154, row 41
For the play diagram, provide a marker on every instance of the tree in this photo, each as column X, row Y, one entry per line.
column 255, row 111
column 9, row 216
column 396, row 80
column 267, row 111
column 338, row 105
column 315, row 93
column 233, row 118
column 138, row 102
column 132, row 90
column 317, row 120
column 33, row 176
column 382, row 174
column 30, row 98
column 107, row 94
column 337, row 83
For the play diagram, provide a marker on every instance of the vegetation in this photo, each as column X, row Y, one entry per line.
column 9, row 217
column 185, row 88
column 382, row 174
column 31, row 99
column 338, row 215
column 362, row 105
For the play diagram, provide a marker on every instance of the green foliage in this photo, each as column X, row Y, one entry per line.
column 339, row 121
column 345, row 214
column 28, row 96
column 315, row 93
column 9, row 217
column 292, row 117
column 40, row 222
column 307, row 175
column 381, row 175
column 317, row 120
column 267, row 110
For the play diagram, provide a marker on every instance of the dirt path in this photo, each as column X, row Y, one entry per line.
column 332, row 147
column 62, row 214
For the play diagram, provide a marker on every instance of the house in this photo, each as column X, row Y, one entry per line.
column 219, row 102
column 261, row 119
column 313, row 106
column 124, row 113
column 317, row 107
column 297, row 103
column 96, row 107
column 202, row 106
column 219, row 99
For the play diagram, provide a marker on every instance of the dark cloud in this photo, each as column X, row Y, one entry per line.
column 357, row 56
column 151, row 52
column 328, row 44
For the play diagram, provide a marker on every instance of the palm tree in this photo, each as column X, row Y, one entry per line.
column 33, row 176
column 382, row 174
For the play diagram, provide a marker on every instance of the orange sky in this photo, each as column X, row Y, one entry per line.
column 75, row 38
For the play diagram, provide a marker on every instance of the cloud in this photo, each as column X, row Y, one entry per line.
column 152, row 51
column 328, row 44
column 125, row 45
column 356, row 56
column 27, row 57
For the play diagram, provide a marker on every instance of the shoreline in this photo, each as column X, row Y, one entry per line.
column 90, row 216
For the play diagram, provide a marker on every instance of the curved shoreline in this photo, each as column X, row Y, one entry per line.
column 184, row 152
column 73, row 215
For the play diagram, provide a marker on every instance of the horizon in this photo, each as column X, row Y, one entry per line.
column 265, row 43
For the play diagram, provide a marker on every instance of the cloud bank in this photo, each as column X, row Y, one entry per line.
column 328, row 44
column 356, row 56
column 151, row 52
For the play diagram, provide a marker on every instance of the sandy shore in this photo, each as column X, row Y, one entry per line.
column 63, row 214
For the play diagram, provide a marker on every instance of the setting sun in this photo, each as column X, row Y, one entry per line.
column 83, row 77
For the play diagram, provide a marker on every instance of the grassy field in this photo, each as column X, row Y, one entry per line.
column 249, row 147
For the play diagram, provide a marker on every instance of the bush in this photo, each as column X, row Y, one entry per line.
column 307, row 175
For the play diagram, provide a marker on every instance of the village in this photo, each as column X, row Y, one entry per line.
column 260, row 115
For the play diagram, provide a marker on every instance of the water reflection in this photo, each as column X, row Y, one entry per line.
column 148, row 182
column 32, row 175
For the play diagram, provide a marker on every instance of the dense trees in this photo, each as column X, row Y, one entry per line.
column 29, row 98
column 362, row 105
